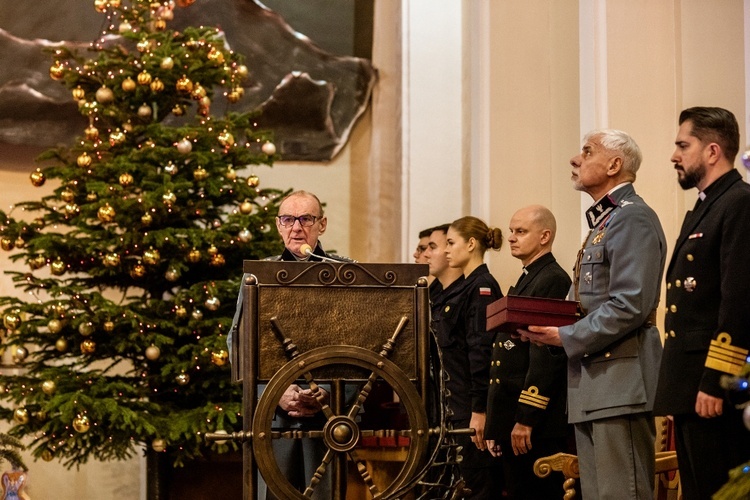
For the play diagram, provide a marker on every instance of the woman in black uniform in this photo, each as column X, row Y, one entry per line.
column 459, row 323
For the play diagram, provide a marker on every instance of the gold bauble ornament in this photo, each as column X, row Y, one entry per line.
column 167, row 63
column 194, row 256
column 144, row 77
column 38, row 223
column 268, row 148
column 47, row 455
column 126, row 179
column 84, row 160
column 70, row 209
column 246, row 207
column 199, row 92
column 37, row 262
column 220, row 357
column 143, row 45
column 91, row 197
column 180, row 312
column 217, row 260
column 157, row 85
column 171, row 168
column 178, row 110
column 215, row 56
column 49, row 387
column 234, row 95
column 111, row 260
column 61, row 345
column 37, row 178
column 81, row 424
column 212, row 250
column 78, row 93
column 231, row 173
column 169, row 198
column 88, row 346
column 115, row 4
column 128, row 84
column 182, row 379
column 172, row 274
column 212, row 303
column 127, row 126
column 151, row 256
column 104, row 95
column 86, row 328
column 116, row 138
column 160, row 25
column 106, row 213
column 242, row 70
column 57, row 267
column 200, row 174
column 55, row 326
column 184, row 85
column 108, row 326
column 184, row 146
column 20, row 242
column 144, row 111
column 138, row 271
column 159, row 445
column 21, row 415
column 57, row 71
column 91, row 133
column 6, row 243
column 11, row 321
column 124, row 27
column 197, row 314
column 153, row 353
column 146, row 219
column 225, row 139
column 67, row 195
column 19, row 354
column 253, row 181
column 245, row 235
column 100, row 5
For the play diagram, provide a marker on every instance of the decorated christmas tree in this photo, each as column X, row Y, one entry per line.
column 130, row 267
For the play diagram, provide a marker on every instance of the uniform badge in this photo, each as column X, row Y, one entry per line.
column 689, row 284
column 587, row 278
column 598, row 238
column 508, row 345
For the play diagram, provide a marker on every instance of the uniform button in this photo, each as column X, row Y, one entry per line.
column 671, row 333
column 690, row 257
column 598, row 255
column 677, row 283
column 669, row 285
column 608, row 354
column 588, row 257
column 497, row 380
column 673, row 308
column 491, row 381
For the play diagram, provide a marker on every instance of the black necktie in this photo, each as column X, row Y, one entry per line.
column 520, row 278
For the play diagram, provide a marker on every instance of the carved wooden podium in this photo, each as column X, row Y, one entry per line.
column 338, row 325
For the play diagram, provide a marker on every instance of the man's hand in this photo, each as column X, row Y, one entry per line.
column 477, row 423
column 542, row 335
column 708, row 406
column 298, row 402
column 493, row 448
column 520, row 437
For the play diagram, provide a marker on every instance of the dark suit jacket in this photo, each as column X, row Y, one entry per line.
column 707, row 323
column 528, row 382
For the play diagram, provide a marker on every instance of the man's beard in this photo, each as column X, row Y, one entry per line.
column 691, row 179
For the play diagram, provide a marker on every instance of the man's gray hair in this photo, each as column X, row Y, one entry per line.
column 620, row 142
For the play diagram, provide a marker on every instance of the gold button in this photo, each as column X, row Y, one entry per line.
column 497, row 380
column 607, row 355
column 447, row 308
column 669, row 285
column 491, row 382
column 673, row 308
column 671, row 333
column 690, row 257
column 677, row 283
column 588, row 257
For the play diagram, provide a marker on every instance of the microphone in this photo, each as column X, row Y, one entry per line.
column 307, row 250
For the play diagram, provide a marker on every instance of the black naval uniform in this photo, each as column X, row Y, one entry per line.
column 460, row 326
column 528, row 386
column 707, row 334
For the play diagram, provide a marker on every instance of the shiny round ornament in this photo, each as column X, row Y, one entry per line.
column 268, row 148
column 146, row 219
column 157, row 85
column 153, row 353
column 242, row 71
column 37, row 178
column 100, row 5
column 253, row 181
column 172, row 275
column 246, row 207
column 169, row 198
column 11, row 321
column 178, row 110
column 167, row 63
column 49, row 387
column 108, row 326
column 57, row 267
column 215, row 56
column 61, row 345
column 184, row 85
column 194, row 256
column 160, row 25
column 212, row 303
column 151, row 256
column 144, row 111
column 144, row 78
column 88, row 346
column 116, row 138
column 20, row 242
column 124, row 27
column 78, row 93
column 20, row 353
column 200, row 174
column 197, row 315
column 67, row 195
column 126, row 179
column 6, row 244
column 235, row 95
column 138, row 271
column 84, row 160
column 217, row 260
column 21, row 415
column 106, row 213
column 86, row 328
column 212, row 250
column 231, row 174
column 70, row 209
column 104, row 95
column 111, row 260
column 245, row 236
column 37, row 262
column 181, row 312
column 90, row 197
column 91, row 133
column 159, row 445
column 47, row 455
column 128, row 84
column 182, row 379
column 184, row 146
column 143, row 45
column 171, row 168
column 54, row 326
column 81, row 424
column 57, row 71
column 198, row 93
column 220, row 357
column 226, row 139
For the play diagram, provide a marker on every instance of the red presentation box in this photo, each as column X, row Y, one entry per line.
column 513, row 312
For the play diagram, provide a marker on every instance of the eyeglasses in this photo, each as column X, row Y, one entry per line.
column 304, row 220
